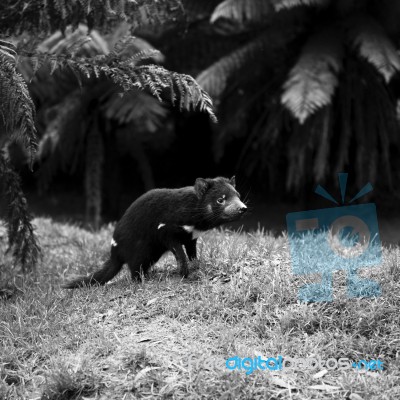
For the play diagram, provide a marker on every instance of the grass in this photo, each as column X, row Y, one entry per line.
column 169, row 338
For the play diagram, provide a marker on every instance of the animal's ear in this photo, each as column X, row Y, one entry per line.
column 232, row 181
column 200, row 187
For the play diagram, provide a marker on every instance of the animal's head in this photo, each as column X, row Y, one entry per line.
column 219, row 198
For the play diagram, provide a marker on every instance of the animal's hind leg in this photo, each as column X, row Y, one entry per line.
column 139, row 268
column 140, row 263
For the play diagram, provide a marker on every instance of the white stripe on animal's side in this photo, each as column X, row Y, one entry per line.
column 113, row 242
column 188, row 228
column 160, row 225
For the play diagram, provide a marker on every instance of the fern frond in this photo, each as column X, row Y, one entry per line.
column 214, row 79
column 242, row 11
column 67, row 118
column 313, row 79
column 128, row 73
column 157, row 80
column 16, row 106
column 7, row 49
column 135, row 107
column 42, row 16
column 76, row 42
column 137, row 50
column 21, row 237
column 374, row 45
column 288, row 4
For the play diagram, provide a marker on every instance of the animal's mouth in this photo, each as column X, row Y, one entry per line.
column 234, row 216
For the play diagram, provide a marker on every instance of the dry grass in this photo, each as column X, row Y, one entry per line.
column 169, row 338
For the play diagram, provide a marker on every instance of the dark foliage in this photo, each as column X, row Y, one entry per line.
column 28, row 23
column 22, row 241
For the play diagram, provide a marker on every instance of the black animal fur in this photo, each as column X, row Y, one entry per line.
column 162, row 220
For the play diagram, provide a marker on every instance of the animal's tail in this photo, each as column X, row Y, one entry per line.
column 110, row 268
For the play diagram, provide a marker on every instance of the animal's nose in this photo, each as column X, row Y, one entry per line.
column 243, row 209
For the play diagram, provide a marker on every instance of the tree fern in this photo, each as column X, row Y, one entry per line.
column 313, row 79
column 374, row 45
column 323, row 145
column 242, row 11
column 198, row 10
column 214, row 79
column 330, row 104
column 16, row 107
column 59, row 147
column 93, row 172
column 287, row 4
column 22, row 241
column 135, row 107
column 128, row 76
column 38, row 16
column 79, row 41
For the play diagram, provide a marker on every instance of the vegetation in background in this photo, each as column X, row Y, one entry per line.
column 304, row 88
column 90, row 126
column 307, row 87
column 29, row 23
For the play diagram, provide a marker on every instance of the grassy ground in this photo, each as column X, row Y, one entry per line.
column 169, row 338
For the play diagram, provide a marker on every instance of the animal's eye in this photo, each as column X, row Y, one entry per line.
column 221, row 200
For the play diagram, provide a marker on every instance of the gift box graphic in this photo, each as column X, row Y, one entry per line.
column 331, row 239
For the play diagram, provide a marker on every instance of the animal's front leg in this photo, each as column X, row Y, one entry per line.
column 181, row 259
column 191, row 249
column 173, row 238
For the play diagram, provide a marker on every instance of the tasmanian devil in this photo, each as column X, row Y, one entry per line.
column 164, row 220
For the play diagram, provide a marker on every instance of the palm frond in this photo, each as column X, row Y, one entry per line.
column 374, row 45
column 288, row 4
column 242, row 11
column 312, row 81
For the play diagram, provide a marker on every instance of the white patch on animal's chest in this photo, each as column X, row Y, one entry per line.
column 160, row 225
column 113, row 242
column 190, row 228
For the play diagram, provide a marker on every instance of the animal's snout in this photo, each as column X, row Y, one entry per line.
column 242, row 209
column 235, row 209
